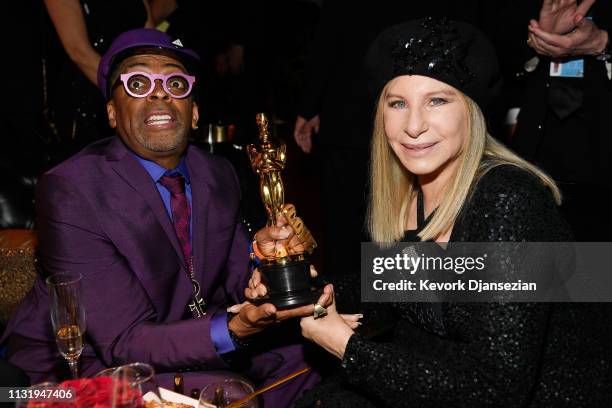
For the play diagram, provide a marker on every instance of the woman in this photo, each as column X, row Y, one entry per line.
column 437, row 175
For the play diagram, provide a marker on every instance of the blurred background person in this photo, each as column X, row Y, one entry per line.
column 85, row 30
column 565, row 101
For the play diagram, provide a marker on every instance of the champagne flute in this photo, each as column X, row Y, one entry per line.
column 67, row 316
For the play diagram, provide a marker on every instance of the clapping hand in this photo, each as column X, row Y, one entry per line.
column 564, row 31
column 562, row 16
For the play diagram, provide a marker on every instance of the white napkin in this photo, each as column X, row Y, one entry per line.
column 175, row 397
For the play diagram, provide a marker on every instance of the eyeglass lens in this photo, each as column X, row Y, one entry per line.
column 141, row 85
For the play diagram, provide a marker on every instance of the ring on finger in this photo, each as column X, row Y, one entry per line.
column 319, row 311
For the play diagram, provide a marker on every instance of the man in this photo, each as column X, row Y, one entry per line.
column 563, row 125
column 152, row 226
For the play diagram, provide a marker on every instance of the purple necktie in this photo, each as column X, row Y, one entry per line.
column 181, row 216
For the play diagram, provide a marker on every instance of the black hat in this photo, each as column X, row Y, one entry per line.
column 452, row 52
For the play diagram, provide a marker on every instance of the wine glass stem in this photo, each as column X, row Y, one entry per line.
column 74, row 369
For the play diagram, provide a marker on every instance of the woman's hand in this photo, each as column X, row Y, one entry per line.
column 333, row 331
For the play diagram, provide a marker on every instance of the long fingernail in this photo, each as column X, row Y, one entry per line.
column 359, row 315
column 359, row 323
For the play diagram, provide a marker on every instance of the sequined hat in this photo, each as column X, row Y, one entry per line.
column 453, row 52
column 142, row 40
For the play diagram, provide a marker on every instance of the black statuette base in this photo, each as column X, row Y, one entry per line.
column 288, row 285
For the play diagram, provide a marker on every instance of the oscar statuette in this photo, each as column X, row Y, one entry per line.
column 285, row 274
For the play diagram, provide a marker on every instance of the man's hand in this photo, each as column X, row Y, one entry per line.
column 252, row 319
column 303, row 132
column 272, row 240
column 586, row 39
column 257, row 289
column 562, row 16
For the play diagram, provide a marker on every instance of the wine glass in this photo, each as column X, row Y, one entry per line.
column 44, row 386
column 131, row 382
column 107, row 372
column 223, row 393
column 67, row 316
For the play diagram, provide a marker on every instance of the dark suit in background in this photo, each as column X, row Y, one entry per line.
column 564, row 123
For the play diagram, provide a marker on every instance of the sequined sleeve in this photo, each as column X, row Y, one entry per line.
column 489, row 352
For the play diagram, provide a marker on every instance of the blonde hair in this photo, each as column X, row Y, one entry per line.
column 393, row 188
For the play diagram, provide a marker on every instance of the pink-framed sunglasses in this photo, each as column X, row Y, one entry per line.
column 142, row 84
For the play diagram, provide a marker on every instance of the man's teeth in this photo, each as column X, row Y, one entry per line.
column 158, row 119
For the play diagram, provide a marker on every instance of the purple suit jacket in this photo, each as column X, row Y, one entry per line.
column 100, row 214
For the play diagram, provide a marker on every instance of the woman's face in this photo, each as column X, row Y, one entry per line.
column 426, row 123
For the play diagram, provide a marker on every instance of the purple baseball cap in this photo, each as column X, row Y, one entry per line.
column 146, row 39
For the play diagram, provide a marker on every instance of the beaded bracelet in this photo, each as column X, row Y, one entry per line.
column 240, row 343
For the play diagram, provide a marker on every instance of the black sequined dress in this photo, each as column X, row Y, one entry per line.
column 483, row 354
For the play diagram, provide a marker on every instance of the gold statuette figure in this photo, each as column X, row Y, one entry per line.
column 286, row 273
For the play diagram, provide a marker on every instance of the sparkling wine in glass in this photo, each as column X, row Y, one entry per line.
column 67, row 316
column 69, row 341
